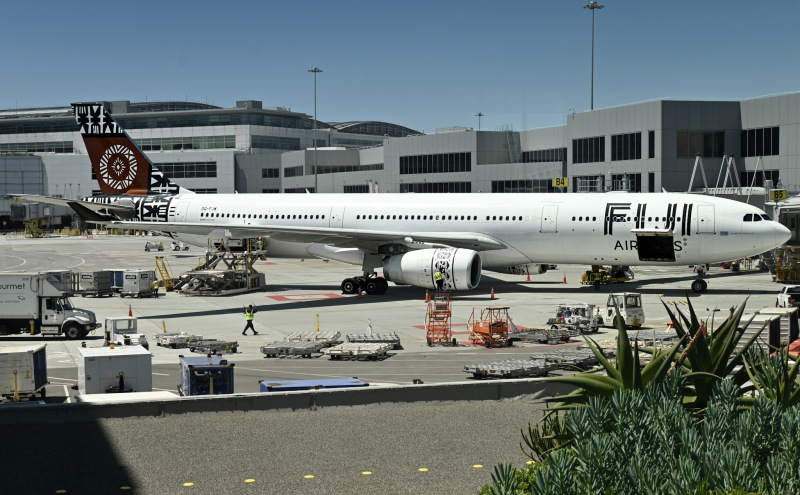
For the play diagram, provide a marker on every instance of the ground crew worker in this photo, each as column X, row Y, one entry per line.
column 597, row 278
column 249, row 313
column 439, row 278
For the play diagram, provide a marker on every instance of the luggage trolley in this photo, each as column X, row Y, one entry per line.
column 437, row 320
column 489, row 327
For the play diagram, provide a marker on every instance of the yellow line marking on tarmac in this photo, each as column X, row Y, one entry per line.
column 249, row 480
column 308, row 476
column 188, row 484
column 124, row 488
column 366, row 472
column 423, row 470
column 477, row 466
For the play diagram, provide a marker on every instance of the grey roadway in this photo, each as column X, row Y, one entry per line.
column 276, row 450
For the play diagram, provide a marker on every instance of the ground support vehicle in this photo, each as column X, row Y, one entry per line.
column 176, row 340
column 543, row 335
column 297, row 348
column 489, row 327
column 385, row 338
column 630, row 309
column 581, row 317
column 314, row 384
column 512, row 368
column 357, row 351
column 437, row 320
column 213, row 346
column 615, row 274
column 115, row 369
column 39, row 303
column 139, row 283
column 570, row 359
column 151, row 246
column 654, row 338
column 123, row 330
column 205, row 375
column 23, row 371
column 179, row 246
column 788, row 296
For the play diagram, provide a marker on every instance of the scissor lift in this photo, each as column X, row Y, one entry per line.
column 437, row 320
column 489, row 327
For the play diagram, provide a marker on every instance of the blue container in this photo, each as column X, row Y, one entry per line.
column 206, row 375
column 289, row 385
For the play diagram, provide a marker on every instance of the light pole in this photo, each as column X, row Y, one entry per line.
column 593, row 6
column 315, row 70
column 479, row 115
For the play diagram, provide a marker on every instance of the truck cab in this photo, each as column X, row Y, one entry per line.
column 630, row 309
column 58, row 316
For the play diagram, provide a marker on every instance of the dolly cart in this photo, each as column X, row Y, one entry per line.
column 437, row 320
column 489, row 327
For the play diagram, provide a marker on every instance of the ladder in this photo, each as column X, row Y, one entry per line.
column 437, row 320
column 164, row 274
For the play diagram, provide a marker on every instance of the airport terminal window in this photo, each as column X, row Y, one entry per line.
column 275, row 143
column 270, row 191
column 651, row 145
column 704, row 143
column 543, row 156
column 437, row 187
column 626, row 146
column 436, row 164
column 38, row 147
column 293, row 171
column 761, row 142
column 270, row 173
column 333, row 169
column 522, row 186
column 298, row 189
column 626, row 182
column 188, row 170
column 746, row 178
column 589, row 150
column 589, row 183
column 187, row 143
column 207, row 190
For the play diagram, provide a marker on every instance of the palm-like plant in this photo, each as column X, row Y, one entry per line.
column 775, row 379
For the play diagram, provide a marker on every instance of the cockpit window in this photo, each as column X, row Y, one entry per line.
column 748, row 217
column 766, row 217
column 756, row 218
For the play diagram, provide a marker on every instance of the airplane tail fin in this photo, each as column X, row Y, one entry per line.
column 119, row 165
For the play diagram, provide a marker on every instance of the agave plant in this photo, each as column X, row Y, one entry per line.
column 712, row 354
column 623, row 373
column 775, row 379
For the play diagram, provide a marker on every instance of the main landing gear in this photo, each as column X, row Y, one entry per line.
column 699, row 285
column 369, row 283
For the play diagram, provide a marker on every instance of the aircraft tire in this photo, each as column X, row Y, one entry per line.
column 382, row 285
column 699, row 286
column 349, row 286
column 371, row 287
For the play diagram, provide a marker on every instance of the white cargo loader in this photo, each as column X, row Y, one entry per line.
column 123, row 330
column 39, row 303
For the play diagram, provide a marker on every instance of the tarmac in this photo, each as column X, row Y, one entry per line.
column 276, row 451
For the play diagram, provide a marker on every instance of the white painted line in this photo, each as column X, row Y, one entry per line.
column 162, row 374
column 66, row 392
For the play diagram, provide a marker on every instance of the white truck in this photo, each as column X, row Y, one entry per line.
column 123, row 331
column 39, row 303
column 630, row 309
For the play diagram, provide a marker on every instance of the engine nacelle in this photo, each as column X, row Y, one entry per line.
column 461, row 268
column 529, row 269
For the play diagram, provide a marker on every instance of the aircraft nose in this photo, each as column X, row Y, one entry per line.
column 782, row 234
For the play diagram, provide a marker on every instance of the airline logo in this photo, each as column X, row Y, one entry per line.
column 621, row 212
column 118, row 167
column 93, row 119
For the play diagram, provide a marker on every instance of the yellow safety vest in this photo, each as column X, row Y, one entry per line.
column 438, row 276
column 249, row 315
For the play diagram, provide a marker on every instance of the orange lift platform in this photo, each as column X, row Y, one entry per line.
column 489, row 327
column 437, row 320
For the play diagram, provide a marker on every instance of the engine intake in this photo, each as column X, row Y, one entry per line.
column 461, row 268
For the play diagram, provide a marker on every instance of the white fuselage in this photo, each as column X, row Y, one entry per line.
column 536, row 228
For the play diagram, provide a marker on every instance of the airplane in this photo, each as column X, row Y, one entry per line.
column 412, row 236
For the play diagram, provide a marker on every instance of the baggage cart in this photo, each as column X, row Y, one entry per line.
column 544, row 335
column 300, row 348
column 175, row 340
column 139, row 283
column 213, row 346
column 380, row 338
column 331, row 337
column 314, row 384
column 512, row 368
column 489, row 327
column 205, row 375
column 357, row 351
column 23, row 371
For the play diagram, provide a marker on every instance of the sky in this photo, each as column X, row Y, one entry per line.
column 420, row 64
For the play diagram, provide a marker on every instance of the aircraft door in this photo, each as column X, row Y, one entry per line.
column 337, row 216
column 705, row 219
column 177, row 211
column 549, row 218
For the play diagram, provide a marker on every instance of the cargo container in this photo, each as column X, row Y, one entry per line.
column 207, row 375
column 139, row 283
column 39, row 303
column 23, row 371
column 114, row 369
column 95, row 283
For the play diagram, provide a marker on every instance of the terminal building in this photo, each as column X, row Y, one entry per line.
column 641, row 147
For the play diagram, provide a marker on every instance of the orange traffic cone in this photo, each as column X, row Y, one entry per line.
column 427, row 296
column 359, row 292
column 492, row 292
column 130, row 310
column 565, row 278
column 529, row 278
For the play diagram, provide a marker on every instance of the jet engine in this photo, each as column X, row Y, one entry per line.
column 461, row 268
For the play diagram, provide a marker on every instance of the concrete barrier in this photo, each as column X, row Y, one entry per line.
column 492, row 390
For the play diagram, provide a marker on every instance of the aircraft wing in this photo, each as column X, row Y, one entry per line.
column 97, row 208
column 362, row 239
